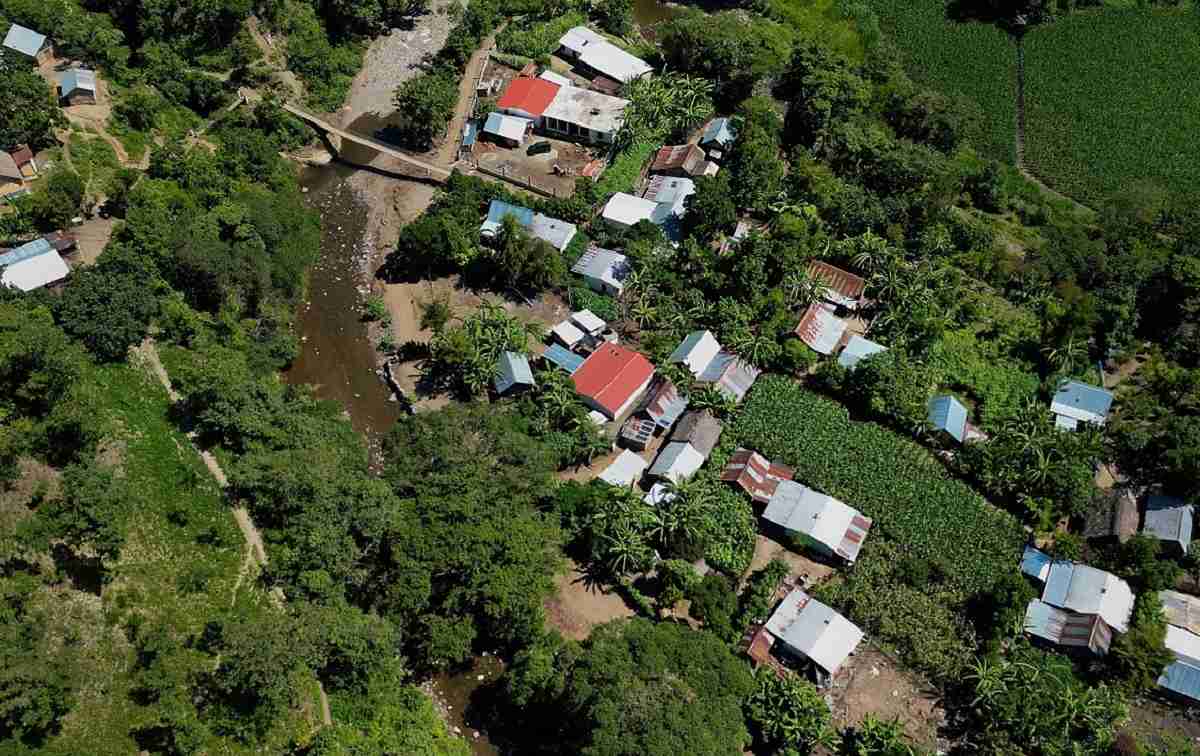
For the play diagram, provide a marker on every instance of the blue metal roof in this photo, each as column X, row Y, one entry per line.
column 948, row 414
column 1183, row 678
column 719, row 130
column 499, row 208
column 857, row 350
column 470, row 133
column 26, row 251
column 25, row 41
column 562, row 357
column 512, row 369
column 1036, row 563
column 77, row 79
column 1081, row 401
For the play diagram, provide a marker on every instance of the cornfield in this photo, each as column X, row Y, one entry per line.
column 976, row 62
column 1111, row 98
column 912, row 498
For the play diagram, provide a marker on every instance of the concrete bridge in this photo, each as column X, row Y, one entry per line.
column 426, row 169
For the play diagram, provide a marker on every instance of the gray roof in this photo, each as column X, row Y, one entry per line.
column 1183, row 675
column 858, row 349
column 1081, row 402
column 77, row 79
column 699, row 428
column 732, row 375
column 947, row 413
column 512, row 369
column 25, row 41
column 557, row 233
column 719, row 130
column 603, row 265
column 814, row 630
column 9, row 169
column 1169, row 519
column 30, row 249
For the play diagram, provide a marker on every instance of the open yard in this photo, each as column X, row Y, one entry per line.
column 878, row 686
column 554, row 171
column 580, row 605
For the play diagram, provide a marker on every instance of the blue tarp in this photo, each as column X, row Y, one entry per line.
column 499, row 208
column 26, row 251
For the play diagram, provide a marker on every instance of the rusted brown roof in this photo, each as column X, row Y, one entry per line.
column 820, row 329
column 1113, row 514
column 842, row 287
column 688, row 158
column 758, row 477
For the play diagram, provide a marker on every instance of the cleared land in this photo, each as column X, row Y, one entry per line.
column 1111, row 100
column 974, row 61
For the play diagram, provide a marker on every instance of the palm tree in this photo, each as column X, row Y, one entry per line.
column 801, row 289
column 1067, row 357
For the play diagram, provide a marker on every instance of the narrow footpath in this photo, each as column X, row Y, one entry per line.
column 148, row 351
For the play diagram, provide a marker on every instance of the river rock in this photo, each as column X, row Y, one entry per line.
column 318, row 157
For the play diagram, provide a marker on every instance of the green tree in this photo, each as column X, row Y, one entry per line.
column 90, row 516
column 614, row 16
column 108, row 309
column 1139, row 656
column 427, row 102
column 28, row 112
column 788, row 714
column 711, row 210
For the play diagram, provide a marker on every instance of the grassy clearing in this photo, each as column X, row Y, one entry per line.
column 976, row 62
column 179, row 566
column 1111, row 100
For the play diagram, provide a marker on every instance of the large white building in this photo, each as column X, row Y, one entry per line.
column 584, row 46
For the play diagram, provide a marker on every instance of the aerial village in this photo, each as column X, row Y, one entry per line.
column 869, row 477
column 659, row 443
column 34, row 264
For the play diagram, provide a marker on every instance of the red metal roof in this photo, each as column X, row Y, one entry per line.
column 611, row 375
column 530, row 95
column 846, row 287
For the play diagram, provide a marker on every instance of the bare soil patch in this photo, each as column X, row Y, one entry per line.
column 554, row 171
column 766, row 549
column 32, row 477
column 579, row 605
column 91, row 237
column 878, row 686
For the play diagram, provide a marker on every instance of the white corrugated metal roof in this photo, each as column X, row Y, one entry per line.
column 588, row 321
column 624, row 470
column 507, row 126
column 799, row 508
column 815, row 630
column 555, row 78
column 697, row 351
column 35, row 272
column 567, row 333
column 858, row 349
column 1088, row 590
column 677, row 462
column 598, row 53
column 627, row 210
column 23, row 40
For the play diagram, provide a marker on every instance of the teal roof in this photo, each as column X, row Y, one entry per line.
column 562, row 357
column 719, row 130
column 26, row 251
column 25, row 41
column 512, row 369
column 948, row 414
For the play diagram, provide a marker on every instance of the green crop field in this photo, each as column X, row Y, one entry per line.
column 1112, row 98
column 973, row 61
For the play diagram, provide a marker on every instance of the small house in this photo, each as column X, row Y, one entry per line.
column 820, row 329
column 582, row 114
column 527, row 98
column 689, row 446
column 595, row 54
column 625, row 470
column 27, row 42
column 1076, row 402
column 663, row 405
column 754, row 474
column 696, row 351
column 823, row 523
column 612, row 379
column 588, row 322
column 813, row 634
column 718, row 134
column 682, row 160
column 1170, row 521
column 12, row 182
column 1181, row 610
column 701, row 353
column 636, row 433
column 1112, row 516
column 1081, row 608
column 556, row 233
column 946, row 414
column 858, row 349
column 513, row 373
column 25, row 162
column 506, row 130
column 1181, row 678
column 77, row 86
column 842, row 288
column 562, row 358
column 32, row 266
column 568, row 334
column 603, row 270
column 626, row 210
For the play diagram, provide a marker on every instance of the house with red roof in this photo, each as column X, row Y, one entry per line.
column 612, row 379
column 527, row 98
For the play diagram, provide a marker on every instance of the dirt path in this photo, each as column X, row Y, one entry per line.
column 447, row 151
column 148, row 351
